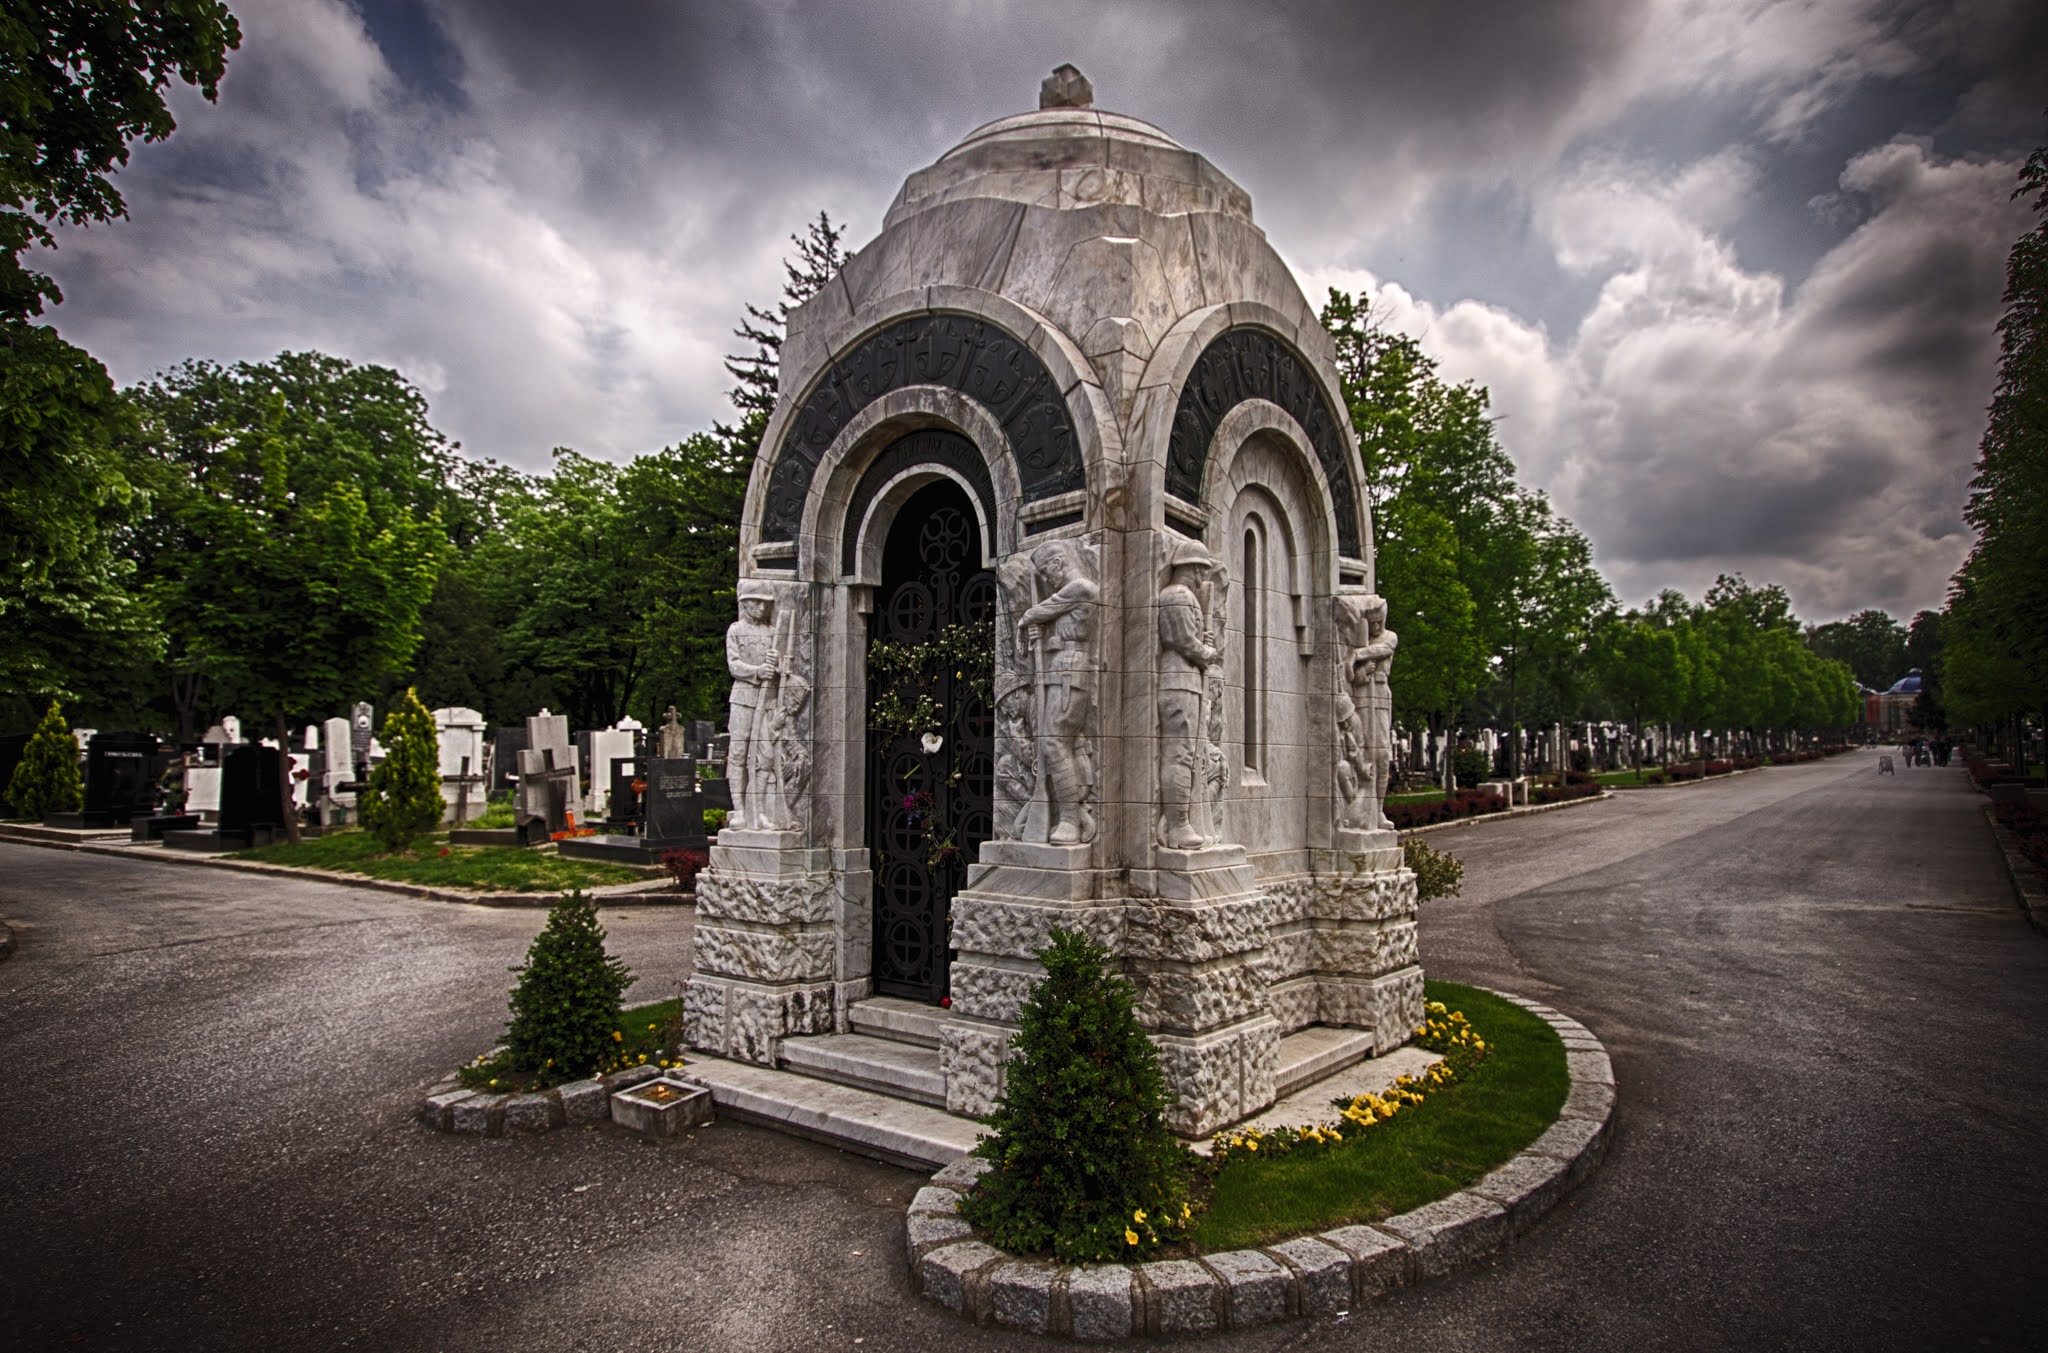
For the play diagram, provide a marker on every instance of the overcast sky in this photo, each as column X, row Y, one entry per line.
column 1730, row 269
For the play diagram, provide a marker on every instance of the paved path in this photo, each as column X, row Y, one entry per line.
column 1830, row 1025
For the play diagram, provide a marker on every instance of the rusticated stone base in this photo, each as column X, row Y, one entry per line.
column 765, row 950
column 1390, row 1005
column 971, row 1054
column 1220, row 1076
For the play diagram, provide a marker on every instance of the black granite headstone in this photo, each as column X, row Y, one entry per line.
column 717, row 793
column 675, row 809
column 250, row 808
column 506, row 745
column 120, row 778
column 625, row 803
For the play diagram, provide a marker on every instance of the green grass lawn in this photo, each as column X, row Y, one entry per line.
column 436, row 864
column 1423, row 1153
column 1419, row 796
column 1623, row 779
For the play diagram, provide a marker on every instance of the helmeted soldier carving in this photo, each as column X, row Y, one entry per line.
column 751, row 657
column 1186, row 653
column 1060, row 630
column 1368, row 655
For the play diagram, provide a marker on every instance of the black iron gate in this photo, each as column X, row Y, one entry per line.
column 928, row 806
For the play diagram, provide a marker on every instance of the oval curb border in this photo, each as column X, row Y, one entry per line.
column 1321, row 1274
column 449, row 1107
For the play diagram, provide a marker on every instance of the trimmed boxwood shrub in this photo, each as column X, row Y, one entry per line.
column 1082, row 1164
column 403, row 799
column 565, row 1006
column 46, row 779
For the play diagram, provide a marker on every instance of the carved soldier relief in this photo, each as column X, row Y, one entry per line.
column 1190, row 688
column 1365, row 712
column 768, row 759
column 1045, row 693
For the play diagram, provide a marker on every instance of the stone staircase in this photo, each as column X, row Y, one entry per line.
column 879, row 1090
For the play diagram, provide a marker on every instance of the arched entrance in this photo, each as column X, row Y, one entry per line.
column 929, row 808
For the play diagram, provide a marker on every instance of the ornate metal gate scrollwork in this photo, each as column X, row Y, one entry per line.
column 928, row 807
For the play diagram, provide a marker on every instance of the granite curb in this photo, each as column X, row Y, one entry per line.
column 1326, row 1274
column 2029, row 887
column 656, row 892
column 449, row 1106
column 1506, row 813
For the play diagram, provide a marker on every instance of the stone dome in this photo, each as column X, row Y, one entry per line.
column 1073, row 157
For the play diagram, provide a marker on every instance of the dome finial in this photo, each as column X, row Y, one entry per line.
column 1066, row 87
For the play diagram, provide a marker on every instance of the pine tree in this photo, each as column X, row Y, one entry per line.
column 818, row 257
column 46, row 779
column 403, row 799
column 1084, row 1166
column 565, row 1006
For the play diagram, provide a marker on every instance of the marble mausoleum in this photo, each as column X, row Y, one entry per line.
column 1068, row 434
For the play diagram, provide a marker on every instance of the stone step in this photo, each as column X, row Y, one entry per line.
column 898, row 1020
column 1308, row 1055
column 915, row 1136
column 904, row 1070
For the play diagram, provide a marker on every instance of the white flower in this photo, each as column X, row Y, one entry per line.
column 932, row 742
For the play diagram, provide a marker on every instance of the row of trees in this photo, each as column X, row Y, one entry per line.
column 1991, row 669
column 1504, row 618
column 284, row 538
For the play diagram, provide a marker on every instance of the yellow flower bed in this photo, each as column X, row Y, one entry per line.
column 1442, row 1031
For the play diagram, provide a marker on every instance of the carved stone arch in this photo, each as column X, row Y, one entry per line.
column 967, row 353
column 851, row 476
column 1246, row 364
column 1259, row 443
column 1214, row 361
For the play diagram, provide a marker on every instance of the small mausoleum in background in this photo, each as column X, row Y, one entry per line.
column 1056, row 608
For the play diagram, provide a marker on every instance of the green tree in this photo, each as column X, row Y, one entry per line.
column 296, row 535
column 1995, row 641
column 1870, row 643
column 403, row 798
column 1641, row 669
column 818, row 256
column 684, row 502
column 1083, row 1165
column 79, row 80
column 69, row 494
column 566, row 1003
column 46, row 778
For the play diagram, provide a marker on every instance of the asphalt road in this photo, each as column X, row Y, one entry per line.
column 1829, row 1023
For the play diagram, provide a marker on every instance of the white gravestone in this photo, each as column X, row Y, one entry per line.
column 607, row 746
column 460, row 733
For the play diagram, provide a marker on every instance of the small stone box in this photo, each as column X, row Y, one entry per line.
column 662, row 1107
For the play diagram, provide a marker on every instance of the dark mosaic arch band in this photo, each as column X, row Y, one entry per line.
column 926, row 446
column 1247, row 364
column 983, row 361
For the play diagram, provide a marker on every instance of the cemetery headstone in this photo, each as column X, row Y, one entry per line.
column 547, row 793
column 673, row 809
column 361, row 737
column 606, row 746
column 673, row 740
column 622, row 801
column 506, row 745
column 460, row 733
column 120, row 782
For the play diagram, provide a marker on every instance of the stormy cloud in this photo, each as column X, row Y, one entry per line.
column 1730, row 271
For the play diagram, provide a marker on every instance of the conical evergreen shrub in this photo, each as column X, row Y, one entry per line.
column 46, row 779
column 403, row 798
column 1083, row 1166
column 565, row 1006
